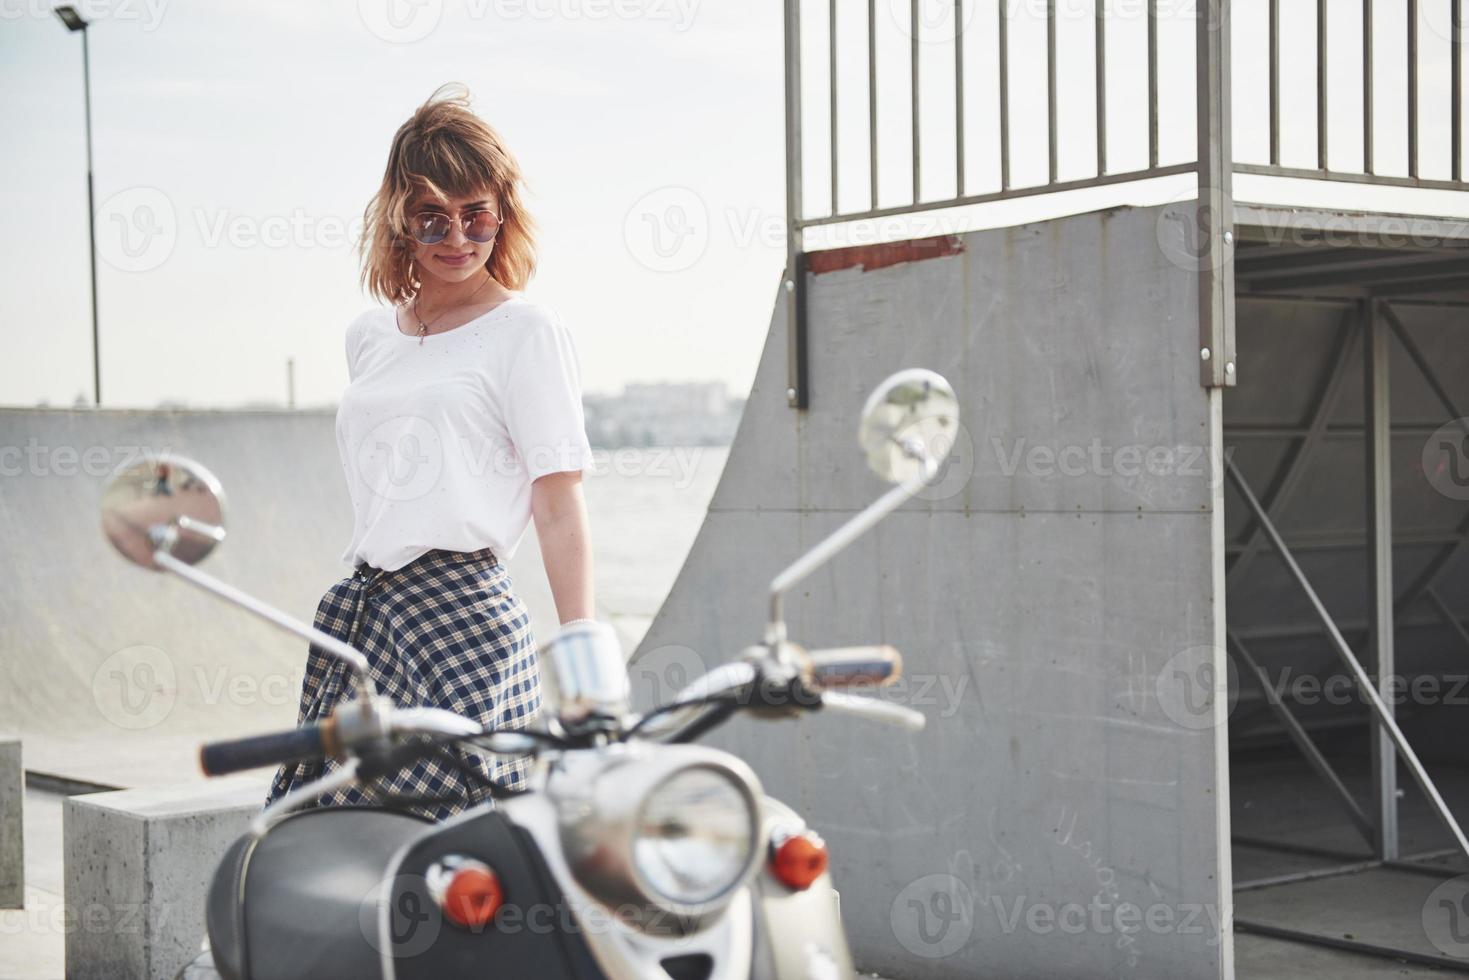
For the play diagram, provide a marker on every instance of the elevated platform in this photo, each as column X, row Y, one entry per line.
column 1060, row 593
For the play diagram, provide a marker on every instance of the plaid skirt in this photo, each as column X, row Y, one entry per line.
column 443, row 631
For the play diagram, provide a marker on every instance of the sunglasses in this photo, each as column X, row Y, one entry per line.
column 432, row 227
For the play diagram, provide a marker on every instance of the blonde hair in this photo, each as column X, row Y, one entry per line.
column 445, row 151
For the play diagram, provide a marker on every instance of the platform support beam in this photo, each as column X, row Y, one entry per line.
column 1376, row 341
column 1215, row 230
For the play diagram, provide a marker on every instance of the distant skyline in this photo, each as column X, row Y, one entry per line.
column 588, row 394
column 236, row 145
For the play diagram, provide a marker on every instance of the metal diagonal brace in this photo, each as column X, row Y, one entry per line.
column 1448, row 614
column 1289, row 477
column 1446, row 554
column 1364, row 682
column 1303, row 741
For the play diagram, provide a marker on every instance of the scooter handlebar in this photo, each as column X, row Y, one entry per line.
column 873, row 710
column 874, row 666
column 239, row 754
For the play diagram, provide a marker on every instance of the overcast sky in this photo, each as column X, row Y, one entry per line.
column 236, row 145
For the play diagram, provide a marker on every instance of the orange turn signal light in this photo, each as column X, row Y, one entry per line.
column 473, row 896
column 799, row 860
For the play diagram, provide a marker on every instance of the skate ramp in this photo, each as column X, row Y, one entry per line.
column 1039, row 592
column 114, row 675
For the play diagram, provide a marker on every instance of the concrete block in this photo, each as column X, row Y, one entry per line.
column 137, row 864
column 12, row 837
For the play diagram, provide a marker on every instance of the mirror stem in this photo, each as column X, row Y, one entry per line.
column 354, row 659
column 838, row 540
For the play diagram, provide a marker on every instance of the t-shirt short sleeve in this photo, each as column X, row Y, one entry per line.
column 353, row 344
column 543, row 408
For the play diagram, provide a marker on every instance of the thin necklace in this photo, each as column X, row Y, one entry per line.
column 423, row 327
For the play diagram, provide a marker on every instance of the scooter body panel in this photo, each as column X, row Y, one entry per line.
column 300, row 903
column 531, row 936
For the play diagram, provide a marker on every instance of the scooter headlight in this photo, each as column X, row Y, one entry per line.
column 649, row 829
column 694, row 837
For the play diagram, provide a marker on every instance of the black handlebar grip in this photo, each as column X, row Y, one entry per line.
column 236, row 755
column 850, row 666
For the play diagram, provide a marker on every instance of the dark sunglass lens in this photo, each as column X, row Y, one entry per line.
column 482, row 226
column 429, row 228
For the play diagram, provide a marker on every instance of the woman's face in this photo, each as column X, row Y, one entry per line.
column 457, row 256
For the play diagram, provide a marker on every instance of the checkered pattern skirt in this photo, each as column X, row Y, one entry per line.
column 444, row 631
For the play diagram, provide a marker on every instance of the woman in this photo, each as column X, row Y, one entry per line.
column 462, row 421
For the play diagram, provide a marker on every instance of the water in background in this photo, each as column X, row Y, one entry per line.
column 646, row 507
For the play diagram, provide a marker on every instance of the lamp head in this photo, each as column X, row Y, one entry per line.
column 69, row 16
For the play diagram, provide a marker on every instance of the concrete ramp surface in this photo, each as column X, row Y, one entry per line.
column 1062, row 814
column 115, row 675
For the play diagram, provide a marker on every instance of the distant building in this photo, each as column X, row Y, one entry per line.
column 664, row 414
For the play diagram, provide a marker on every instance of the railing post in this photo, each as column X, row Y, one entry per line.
column 1216, row 201
column 798, row 394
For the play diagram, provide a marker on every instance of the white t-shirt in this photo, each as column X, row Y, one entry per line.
column 440, row 441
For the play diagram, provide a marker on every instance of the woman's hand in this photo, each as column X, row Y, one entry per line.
column 560, row 512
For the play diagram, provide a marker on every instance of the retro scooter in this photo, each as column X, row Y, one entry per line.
column 632, row 853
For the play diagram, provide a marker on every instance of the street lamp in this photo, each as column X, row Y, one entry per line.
column 75, row 22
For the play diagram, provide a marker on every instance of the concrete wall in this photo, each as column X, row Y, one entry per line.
column 1064, row 813
column 115, row 675
column 12, row 825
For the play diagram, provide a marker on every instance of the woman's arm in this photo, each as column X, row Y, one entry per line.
column 560, row 512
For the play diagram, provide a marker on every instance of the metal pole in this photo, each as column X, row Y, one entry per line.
column 1367, row 86
column 872, row 101
column 914, row 94
column 1274, row 75
column 958, row 98
column 1456, row 88
column 1354, row 666
column 1413, row 88
column 1100, row 38
column 1322, row 140
column 1051, row 94
column 797, row 394
column 1003, row 65
column 91, row 222
column 831, row 61
column 1215, row 206
column 1376, row 339
column 1152, row 84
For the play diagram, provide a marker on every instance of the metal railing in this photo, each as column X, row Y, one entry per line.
column 1369, row 174
column 1213, row 162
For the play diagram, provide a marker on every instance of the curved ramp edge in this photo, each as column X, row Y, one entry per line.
column 1047, row 593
